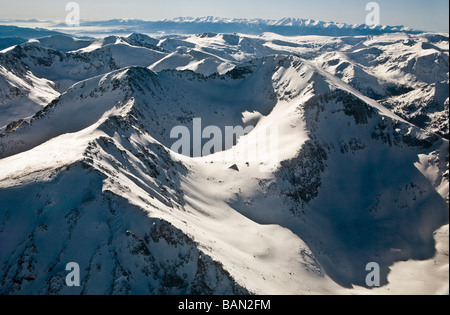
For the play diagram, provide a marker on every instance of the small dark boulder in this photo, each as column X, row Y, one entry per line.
column 234, row 167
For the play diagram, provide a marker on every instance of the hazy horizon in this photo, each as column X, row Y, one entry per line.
column 428, row 16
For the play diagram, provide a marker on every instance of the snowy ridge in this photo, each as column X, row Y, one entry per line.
column 23, row 95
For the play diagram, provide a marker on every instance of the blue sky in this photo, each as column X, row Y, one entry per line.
column 421, row 14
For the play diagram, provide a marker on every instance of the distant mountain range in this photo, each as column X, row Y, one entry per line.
column 24, row 32
column 11, row 35
column 187, row 25
column 287, row 26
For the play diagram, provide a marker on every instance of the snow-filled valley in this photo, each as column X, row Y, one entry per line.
column 88, row 174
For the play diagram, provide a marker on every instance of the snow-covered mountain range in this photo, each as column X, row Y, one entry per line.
column 189, row 25
column 87, row 173
column 286, row 26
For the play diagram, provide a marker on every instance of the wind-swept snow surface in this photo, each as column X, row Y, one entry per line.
column 352, row 176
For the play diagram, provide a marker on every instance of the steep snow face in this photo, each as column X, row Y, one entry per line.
column 132, row 250
column 74, row 111
column 65, row 69
column 335, row 189
column 160, row 101
column 350, row 182
column 408, row 74
column 121, row 249
column 22, row 95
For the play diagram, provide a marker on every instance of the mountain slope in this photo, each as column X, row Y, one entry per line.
column 406, row 73
column 23, row 94
column 170, row 98
column 122, row 250
column 68, row 68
